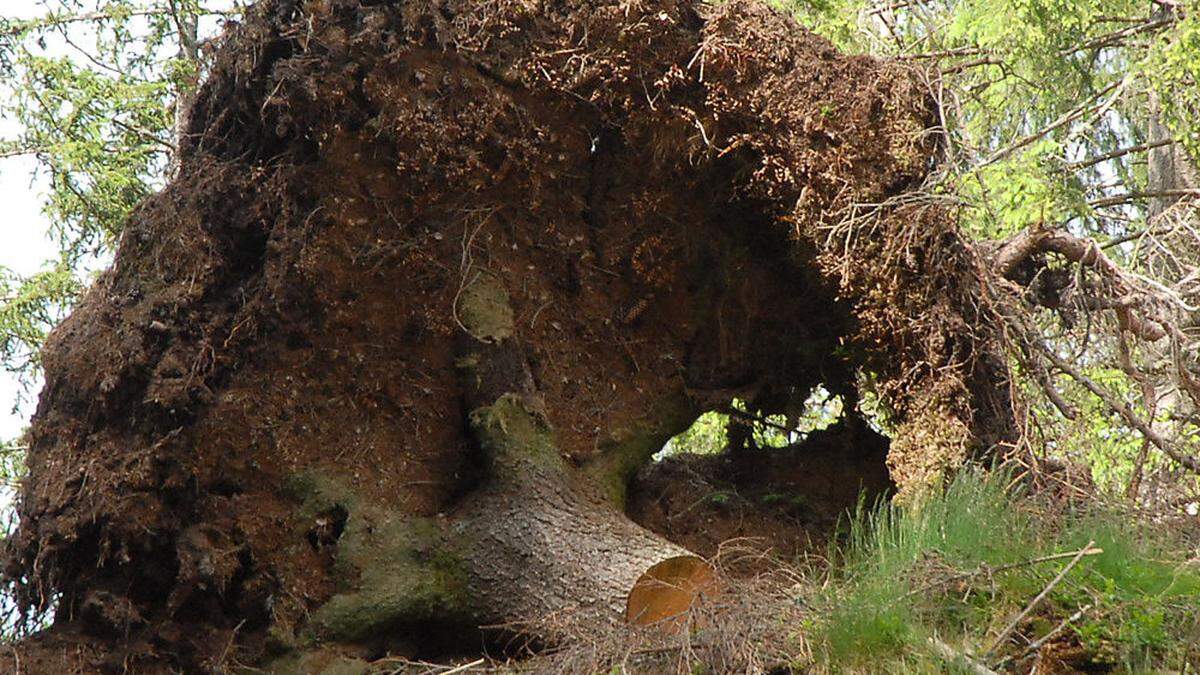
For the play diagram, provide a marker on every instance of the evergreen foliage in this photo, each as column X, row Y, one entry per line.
column 93, row 86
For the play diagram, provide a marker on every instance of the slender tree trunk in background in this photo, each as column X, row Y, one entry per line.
column 1169, row 167
column 187, row 25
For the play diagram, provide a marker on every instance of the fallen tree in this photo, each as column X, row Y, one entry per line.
column 435, row 280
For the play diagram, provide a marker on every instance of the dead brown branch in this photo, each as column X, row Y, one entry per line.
column 1122, row 409
column 1012, row 625
column 1083, row 251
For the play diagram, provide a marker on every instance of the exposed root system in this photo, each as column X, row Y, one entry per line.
column 435, row 279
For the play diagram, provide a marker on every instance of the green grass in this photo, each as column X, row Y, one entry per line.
column 958, row 568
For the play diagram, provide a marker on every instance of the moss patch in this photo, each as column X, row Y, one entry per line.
column 392, row 567
column 514, row 436
column 320, row 491
column 485, row 310
column 628, row 448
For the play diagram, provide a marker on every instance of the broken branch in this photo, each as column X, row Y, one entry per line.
column 1082, row 251
column 1040, row 596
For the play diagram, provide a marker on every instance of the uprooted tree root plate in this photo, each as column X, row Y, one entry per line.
column 433, row 282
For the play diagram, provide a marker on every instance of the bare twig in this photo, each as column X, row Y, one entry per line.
column 465, row 667
column 1042, row 376
column 1123, row 239
column 1128, row 197
column 1119, row 152
column 1116, row 37
column 144, row 134
column 973, row 63
column 891, row 7
column 957, row 51
column 1040, row 596
column 986, row 570
column 1037, row 644
column 757, row 419
column 19, row 152
column 61, row 19
column 1066, row 118
column 1123, row 410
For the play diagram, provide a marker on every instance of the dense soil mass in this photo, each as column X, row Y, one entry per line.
column 434, row 281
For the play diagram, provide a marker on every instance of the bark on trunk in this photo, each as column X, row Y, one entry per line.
column 1169, row 171
column 536, row 547
column 539, row 543
column 1169, row 168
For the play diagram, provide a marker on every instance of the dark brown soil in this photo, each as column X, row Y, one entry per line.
column 785, row 502
column 266, row 387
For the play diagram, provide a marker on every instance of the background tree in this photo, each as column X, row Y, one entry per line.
column 95, row 87
column 1076, row 117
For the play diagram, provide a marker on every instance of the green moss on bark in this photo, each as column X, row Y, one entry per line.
column 628, row 448
column 404, row 574
column 514, row 436
column 391, row 568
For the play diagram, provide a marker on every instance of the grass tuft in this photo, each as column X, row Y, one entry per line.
column 959, row 567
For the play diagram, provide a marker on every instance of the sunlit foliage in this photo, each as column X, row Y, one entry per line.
column 93, row 87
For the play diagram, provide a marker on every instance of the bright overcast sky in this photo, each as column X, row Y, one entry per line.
column 24, row 245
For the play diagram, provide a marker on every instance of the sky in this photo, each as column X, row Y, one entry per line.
column 24, row 248
column 24, row 242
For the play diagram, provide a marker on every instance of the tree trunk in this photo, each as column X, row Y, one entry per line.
column 1169, row 171
column 434, row 280
column 1169, row 168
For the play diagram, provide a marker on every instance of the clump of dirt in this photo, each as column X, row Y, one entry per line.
column 255, row 439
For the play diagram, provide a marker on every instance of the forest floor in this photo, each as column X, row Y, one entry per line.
column 986, row 577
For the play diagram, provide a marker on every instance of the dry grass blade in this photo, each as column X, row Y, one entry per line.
column 952, row 655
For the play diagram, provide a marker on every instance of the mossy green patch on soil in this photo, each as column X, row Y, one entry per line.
column 390, row 567
column 319, row 491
